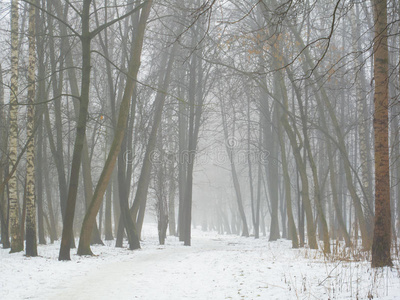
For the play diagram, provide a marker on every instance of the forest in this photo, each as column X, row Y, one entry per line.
column 271, row 120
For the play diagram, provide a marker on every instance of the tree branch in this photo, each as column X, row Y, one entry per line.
column 108, row 24
column 53, row 16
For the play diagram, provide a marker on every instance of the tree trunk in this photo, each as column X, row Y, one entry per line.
column 259, row 181
column 251, row 184
column 39, row 112
column 288, row 193
column 16, row 238
column 182, row 166
column 57, row 145
column 31, row 243
column 304, row 184
column 107, row 215
column 273, row 181
column 48, row 185
column 116, row 205
column 230, row 144
column 88, row 188
column 161, row 191
column 5, row 239
column 80, row 136
column 382, row 230
column 171, row 197
column 39, row 181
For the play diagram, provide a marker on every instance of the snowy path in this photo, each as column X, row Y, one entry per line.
column 214, row 267
column 161, row 273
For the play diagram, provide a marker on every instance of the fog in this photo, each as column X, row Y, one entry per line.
column 260, row 119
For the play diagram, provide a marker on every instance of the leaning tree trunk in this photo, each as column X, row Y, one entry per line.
column 304, row 183
column 88, row 188
column 86, row 38
column 332, row 172
column 140, row 200
column 365, row 226
column 16, row 239
column 134, row 64
column 382, row 230
column 317, row 196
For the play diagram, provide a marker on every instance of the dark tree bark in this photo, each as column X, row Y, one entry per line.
column 56, row 145
column 80, row 135
column 40, row 135
column 161, row 191
column 5, row 239
column 107, row 214
column 49, row 198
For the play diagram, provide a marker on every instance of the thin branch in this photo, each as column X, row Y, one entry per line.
column 105, row 25
column 50, row 100
column 53, row 16
column 73, row 7
column 137, row 81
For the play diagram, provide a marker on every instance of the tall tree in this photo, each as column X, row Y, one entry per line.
column 31, row 243
column 382, row 230
column 5, row 239
column 16, row 238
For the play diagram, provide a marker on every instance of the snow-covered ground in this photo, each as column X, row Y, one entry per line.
column 214, row 267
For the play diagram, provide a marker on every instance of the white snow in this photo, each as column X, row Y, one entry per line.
column 214, row 267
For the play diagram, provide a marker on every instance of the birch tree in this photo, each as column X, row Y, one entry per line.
column 16, row 238
column 31, row 243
